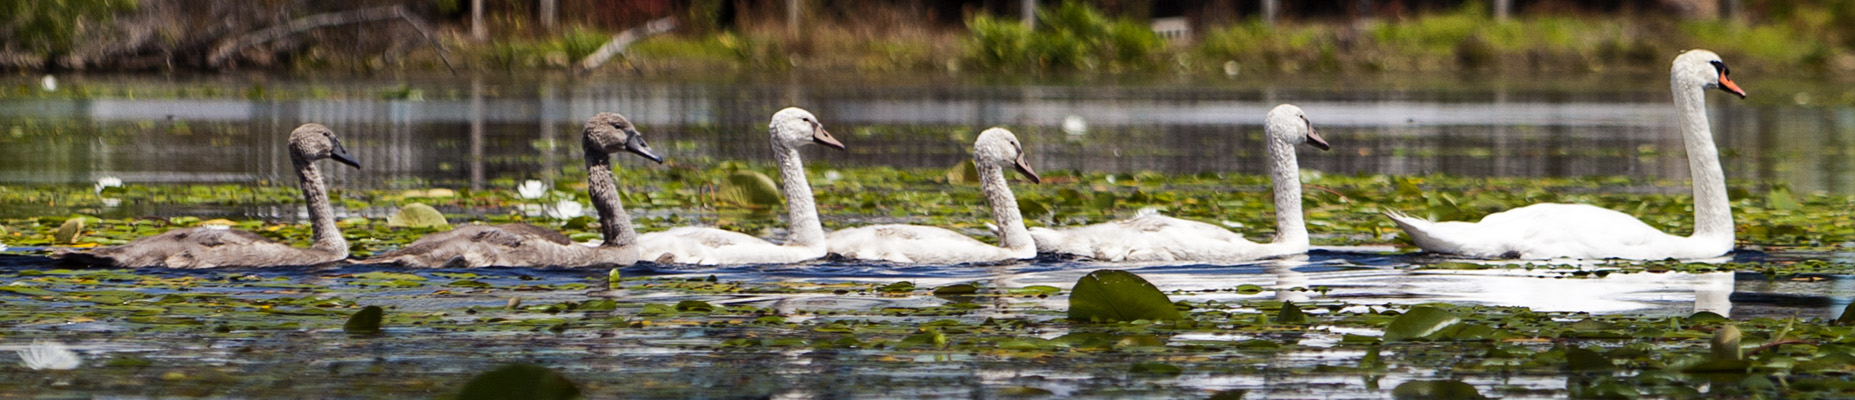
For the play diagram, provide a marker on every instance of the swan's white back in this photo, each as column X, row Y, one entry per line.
column 1159, row 238
column 994, row 150
column 1548, row 231
column 790, row 129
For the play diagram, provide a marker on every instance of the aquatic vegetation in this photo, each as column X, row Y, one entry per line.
column 655, row 335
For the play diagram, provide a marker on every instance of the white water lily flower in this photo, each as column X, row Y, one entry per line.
column 107, row 182
column 49, row 83
column 531, row 189
column 566, row 209
column 44, row 355
column 1074, row 125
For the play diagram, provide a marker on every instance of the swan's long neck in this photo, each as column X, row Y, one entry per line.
column 801, row 213
column 1013, row 236
column 614, row 223
column 1713, row 212
column 1285, row 174
column 321, row 215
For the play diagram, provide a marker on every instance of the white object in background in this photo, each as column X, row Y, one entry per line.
column 44, row 355
column 566, row 209
column 49, row 83
column 107, row 182
column 531, row 189
column 1074, row 125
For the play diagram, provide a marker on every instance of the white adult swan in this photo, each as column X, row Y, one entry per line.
column 524, row 245
column 212, row 247
column 791, row 128
column 1153, row 237
column 1547, row 231
column 995, row 150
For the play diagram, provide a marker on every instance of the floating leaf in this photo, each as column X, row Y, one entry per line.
column 69, row 231
column 1024, row 391
column 1580, row 360
column 1418, row 323
column 1726, row 344
column 1115, row 295
column 964, row 172
column 1435, row 390
column 898, row 287
column 1155, row 368
column 519, row 381
column 1848, row 316
column 750, row 189
column 417, row 215
column 1036, row 290
column 1291, row 315
column 1706, row 316
column 365, row 321
column 694, row 306
column 1248, row 289
column 1780, row 198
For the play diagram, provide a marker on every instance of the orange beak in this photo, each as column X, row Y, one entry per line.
column 1730, row 87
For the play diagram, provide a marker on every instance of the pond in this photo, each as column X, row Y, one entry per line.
column 212, row 147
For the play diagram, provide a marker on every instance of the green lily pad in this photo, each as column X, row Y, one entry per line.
column 1291, row 315
column 750, row 189
column 1419, row 322
column 1115, row 295
column 365, row 321
column 1435, row 390
column 519, row 381
column 1725, row 344
column 1579, row 359
column 69, row 231
column 1248, row 289
column 417, row 215
column 694, row 306
column 1155, row 368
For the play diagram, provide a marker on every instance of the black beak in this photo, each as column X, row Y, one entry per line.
column 340, row 154
column 1025, row 168
column 1315, row 140
column 636, row 145
column 820, row 136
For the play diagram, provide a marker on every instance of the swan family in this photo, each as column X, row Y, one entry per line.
column 1540, row 231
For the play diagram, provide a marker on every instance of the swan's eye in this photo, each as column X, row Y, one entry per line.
column 1719, row 66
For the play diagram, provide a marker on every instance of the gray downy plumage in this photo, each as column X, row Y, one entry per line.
column 212, row 247
column 524, row 245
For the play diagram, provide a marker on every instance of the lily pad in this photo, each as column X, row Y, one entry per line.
column 1155, row 368
column 365, row 321
column 519, row 381
column 750, row 189
column 1435, row 390
column 417, row 215
column 69, row 231
column 1115, row 295
column 1291, row 315
column 1725, row 344
column 1418, row 323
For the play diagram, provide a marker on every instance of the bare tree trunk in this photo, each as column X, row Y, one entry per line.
column 1269, row 10
column 477, row 31
column 1502, row 9
column 549, row 11
column 792, row 16
column 1029, row 10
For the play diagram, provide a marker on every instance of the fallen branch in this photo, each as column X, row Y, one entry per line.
column 224, row 51
column 624, row 39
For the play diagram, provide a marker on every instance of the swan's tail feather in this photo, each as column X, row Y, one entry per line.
column 1419, row 229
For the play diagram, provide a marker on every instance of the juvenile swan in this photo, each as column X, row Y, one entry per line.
column 791, row 128
column 1546, row 231
column 211, row 247
column 524, row 245
column 995, row 150
column 1154, row 237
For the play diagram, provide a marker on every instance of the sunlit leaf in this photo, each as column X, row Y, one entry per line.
column 1115, row 295
column 1418, row 323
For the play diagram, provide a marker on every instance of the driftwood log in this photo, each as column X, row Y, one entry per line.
column 222, row 54
column 624, row 39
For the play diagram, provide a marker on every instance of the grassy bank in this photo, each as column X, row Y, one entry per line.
column 1073, row 39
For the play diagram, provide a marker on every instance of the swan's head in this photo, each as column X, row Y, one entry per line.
column 794, row 127
column 1288, row 124
column 610, row 133
column 998, row 147
column 1703, row 69
column 312, row 142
